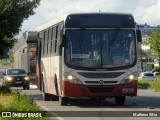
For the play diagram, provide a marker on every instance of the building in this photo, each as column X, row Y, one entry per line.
column 24, row 52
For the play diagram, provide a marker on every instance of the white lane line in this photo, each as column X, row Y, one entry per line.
column 54, row 114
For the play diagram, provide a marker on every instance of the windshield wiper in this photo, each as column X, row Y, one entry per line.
column 113, row 39
column 80, row 40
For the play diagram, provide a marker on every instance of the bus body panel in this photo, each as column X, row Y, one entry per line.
column 50, row 69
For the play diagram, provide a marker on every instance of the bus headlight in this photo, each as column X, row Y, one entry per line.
column 128, row 79
column 73, row 79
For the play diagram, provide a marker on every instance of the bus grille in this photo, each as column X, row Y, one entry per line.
column 101, row 89
column 101, row 75
column 96, row 82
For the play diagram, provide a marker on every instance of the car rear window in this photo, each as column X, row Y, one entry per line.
column 148, row 74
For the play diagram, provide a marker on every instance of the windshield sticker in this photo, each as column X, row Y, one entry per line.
column 129, row 35
column 80, row 56
column 126, row 61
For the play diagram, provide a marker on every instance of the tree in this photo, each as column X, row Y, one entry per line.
column 12, row 15
column 155, row 43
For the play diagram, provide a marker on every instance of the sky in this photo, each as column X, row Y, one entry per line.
column 144, row 11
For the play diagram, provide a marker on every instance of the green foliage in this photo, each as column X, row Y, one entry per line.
column 4, row 89
column 145, row 84
column 13, row 13
column 155, row 43
column 155, row 85
column 5, row 63
column 156, row 69
column 21, row 103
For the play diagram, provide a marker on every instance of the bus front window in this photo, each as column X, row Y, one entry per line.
column 100, row 48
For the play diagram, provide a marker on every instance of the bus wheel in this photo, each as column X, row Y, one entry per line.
column 54, row 98
column 63, row 100
column 120, row 100
column 46, row 97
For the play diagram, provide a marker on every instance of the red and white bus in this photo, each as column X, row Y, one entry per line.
column 90, row 55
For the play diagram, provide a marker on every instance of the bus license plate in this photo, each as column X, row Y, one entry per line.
column 128, row 90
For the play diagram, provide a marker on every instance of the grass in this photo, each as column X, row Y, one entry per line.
column 17, row 102
column 146, row 84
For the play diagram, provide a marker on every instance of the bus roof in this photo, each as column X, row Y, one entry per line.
column 63, row 18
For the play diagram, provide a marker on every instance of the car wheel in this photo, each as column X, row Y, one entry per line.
column 120, row 100
column 28, row 87
column 24, row 87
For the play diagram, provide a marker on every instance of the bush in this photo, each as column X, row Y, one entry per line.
column 5, row 63
column 5, row 89
column 155, row 85
column 156, row 69
column 144, row 84
column 21, row 103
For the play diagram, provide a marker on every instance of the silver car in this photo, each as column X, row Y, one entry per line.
column 146, row 76
column 16, row 77
column 156, row 74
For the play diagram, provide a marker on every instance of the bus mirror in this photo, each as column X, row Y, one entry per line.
column 62, row 39
column 139, row 36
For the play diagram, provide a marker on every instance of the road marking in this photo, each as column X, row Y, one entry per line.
column 54, row 114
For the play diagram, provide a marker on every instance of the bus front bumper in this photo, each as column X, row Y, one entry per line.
column 73, row 90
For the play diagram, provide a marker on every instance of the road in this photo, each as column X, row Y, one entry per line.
column 147, row 101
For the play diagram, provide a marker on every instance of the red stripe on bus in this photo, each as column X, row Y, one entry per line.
column 72, row 90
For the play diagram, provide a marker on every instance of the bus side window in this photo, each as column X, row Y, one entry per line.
column 43, row 43
column 53, row 39
column 52, row 29
column 46, row 41
column 57, row 36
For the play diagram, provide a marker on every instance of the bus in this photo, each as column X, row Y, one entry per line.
column 88, row 55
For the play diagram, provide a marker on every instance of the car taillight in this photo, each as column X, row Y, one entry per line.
column 142, row 76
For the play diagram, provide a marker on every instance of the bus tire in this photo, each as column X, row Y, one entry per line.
column 63, row 100
column 46, row 97
column 55, row 97
column 120, row 100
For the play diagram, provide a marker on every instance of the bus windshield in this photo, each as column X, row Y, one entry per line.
column 100, row 48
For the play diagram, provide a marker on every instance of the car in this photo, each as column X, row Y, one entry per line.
column 16, row 77
column 146, row 76
column 156, row 74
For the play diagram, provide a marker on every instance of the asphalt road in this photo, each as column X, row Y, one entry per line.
column 147, row 101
